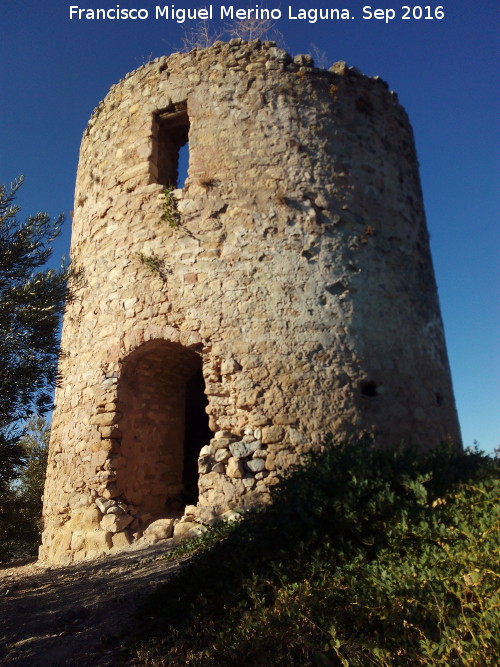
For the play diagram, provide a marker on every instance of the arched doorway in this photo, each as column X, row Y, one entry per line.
column 164, row 425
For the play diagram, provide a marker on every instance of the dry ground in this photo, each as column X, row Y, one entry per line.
column 76, row 615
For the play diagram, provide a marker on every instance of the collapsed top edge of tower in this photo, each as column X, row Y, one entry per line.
column 219, row 48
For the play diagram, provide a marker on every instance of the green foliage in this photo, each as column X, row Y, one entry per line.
column 366, row 557
column 154, row 263
column 214, row 534
column 21, row 514
column 31, row 304
column 31, row 474
column 170, row 213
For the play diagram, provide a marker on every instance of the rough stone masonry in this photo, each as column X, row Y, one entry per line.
column 221, row 329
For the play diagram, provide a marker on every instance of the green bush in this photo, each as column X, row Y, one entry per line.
column 365, row 557
column 21, row 506
column 170, row 213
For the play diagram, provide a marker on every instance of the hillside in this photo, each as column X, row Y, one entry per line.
column 366, row 557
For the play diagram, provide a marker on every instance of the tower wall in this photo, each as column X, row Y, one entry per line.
column 292, row 277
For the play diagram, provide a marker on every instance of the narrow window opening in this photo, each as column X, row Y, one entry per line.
column 172, row 148
column 183, row 165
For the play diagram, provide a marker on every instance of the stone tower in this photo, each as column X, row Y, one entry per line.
column 223, row 328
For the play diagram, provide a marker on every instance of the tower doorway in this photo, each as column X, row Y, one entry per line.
column 164, row 426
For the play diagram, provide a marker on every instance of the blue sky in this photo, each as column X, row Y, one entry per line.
column 54, row 71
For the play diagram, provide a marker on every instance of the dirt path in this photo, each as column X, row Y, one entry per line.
column 75, row 615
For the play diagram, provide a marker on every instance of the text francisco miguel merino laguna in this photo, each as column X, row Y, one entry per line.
column 182, row 14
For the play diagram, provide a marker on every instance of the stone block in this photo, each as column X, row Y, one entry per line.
column 115, row 510
column 85, row 518
column 206, row 515
column 285, row 419
column 98, row 541
column 187, row 529
column 222, row 455
column 111, row 491
column 161, row 529
column 114, row 523
column 105, row 419
column 229, row 366
column 221, row 443
column 77, row 540
column 270, row 463
column 258, row 419
column 235, row 468
column 110, row 432
column 99, row 458
column 255, row 465
column 271, row 434
column 239, row 449
column 247, row 398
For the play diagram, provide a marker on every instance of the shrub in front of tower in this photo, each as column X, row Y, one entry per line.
column 366, row 556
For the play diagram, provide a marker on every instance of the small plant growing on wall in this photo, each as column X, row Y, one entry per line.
column 155, row 264
column 170, row 213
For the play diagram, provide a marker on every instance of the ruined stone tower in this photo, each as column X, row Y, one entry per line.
column 221, row 329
